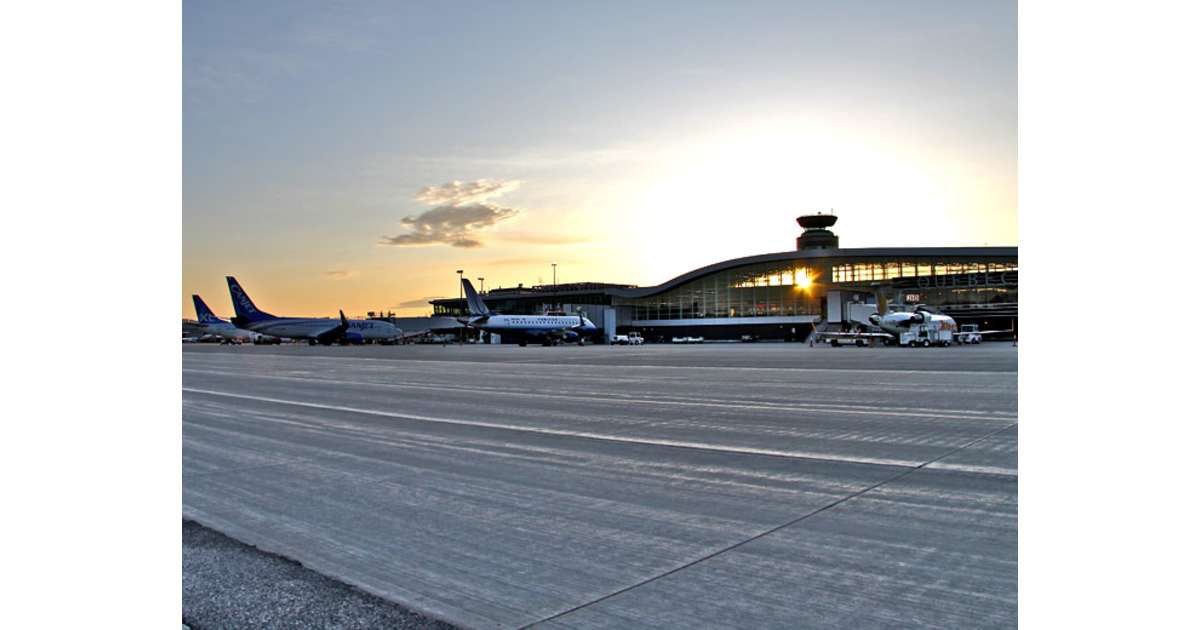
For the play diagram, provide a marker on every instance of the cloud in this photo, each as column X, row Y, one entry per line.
column 415, row 302
column 458, row 193
column 340, row 273
column 459, row 212
column 452, row 225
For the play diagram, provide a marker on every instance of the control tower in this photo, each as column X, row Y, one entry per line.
column 816, row 232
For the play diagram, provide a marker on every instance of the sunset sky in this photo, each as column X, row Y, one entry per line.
column 354, row 155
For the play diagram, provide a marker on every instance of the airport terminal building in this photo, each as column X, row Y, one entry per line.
column 784, row 295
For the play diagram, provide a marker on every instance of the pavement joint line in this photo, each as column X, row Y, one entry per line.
column 595, row 436
column 626, row 367
column 853, row 495
column 954, row 414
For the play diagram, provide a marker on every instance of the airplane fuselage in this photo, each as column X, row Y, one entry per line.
column 373, row 329
column 902, row 321
column 225, row 330
column 534, row 325
column 321, row 327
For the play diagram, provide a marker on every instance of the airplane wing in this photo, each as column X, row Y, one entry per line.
column 336, row 329
column 985, row 332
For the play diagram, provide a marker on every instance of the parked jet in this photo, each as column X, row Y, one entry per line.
column 548, row 329
column 208, row 323
column 316, row 329
column 920, row 326
column 898, row 322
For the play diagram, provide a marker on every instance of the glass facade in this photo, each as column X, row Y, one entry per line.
column 797, row 287
column 875, row 271
column 768, row 289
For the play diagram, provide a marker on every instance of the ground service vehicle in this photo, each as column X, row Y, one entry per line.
column 631, row 339
column 926, row 335
column 969, row 333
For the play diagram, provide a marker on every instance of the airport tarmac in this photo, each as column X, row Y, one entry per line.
column 750, row 485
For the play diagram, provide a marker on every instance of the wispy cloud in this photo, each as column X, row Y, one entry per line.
column 241, row 75
column 458, row 214
column 460, row 193
column 415, row 302
column 339, row 274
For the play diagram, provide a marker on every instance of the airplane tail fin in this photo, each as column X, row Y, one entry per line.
column 475, row 304
column 242, row 306
column 881, row 302
column 203, row 313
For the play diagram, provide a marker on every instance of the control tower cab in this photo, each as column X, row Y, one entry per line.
column 817, row 234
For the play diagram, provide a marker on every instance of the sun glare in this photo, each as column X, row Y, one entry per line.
column 802, row 280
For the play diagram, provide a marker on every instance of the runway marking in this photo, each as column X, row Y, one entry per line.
column 949, row 414
column 576, row 434
column 793, row 386
column 590, row 366
column 582, row 376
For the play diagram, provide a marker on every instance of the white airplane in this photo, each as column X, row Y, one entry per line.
column 315, row 329
column 548, row 329
column 900, row 327
column 209, row 324
column 899, row 322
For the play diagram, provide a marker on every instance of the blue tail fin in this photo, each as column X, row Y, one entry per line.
column 242, row 306
column 204, row 314
column 475, row 304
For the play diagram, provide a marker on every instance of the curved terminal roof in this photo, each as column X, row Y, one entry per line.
column 835, row 256
column 829, row 254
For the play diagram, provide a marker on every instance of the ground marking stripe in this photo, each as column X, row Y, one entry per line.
column 590, row 366
column 953, row 414
column 574, row 434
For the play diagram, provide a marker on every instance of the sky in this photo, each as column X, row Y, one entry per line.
column 354, row 155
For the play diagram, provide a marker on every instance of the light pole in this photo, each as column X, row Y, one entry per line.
column 554, row 265
column 460, row 297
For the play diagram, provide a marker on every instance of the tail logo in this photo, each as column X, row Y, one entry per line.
column 243, row 300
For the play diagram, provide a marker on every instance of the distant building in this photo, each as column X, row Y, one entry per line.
column 783, row 295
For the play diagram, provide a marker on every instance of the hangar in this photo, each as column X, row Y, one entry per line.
column 785, row 295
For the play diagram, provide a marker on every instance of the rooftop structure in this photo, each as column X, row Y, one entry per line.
column 783, row 294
